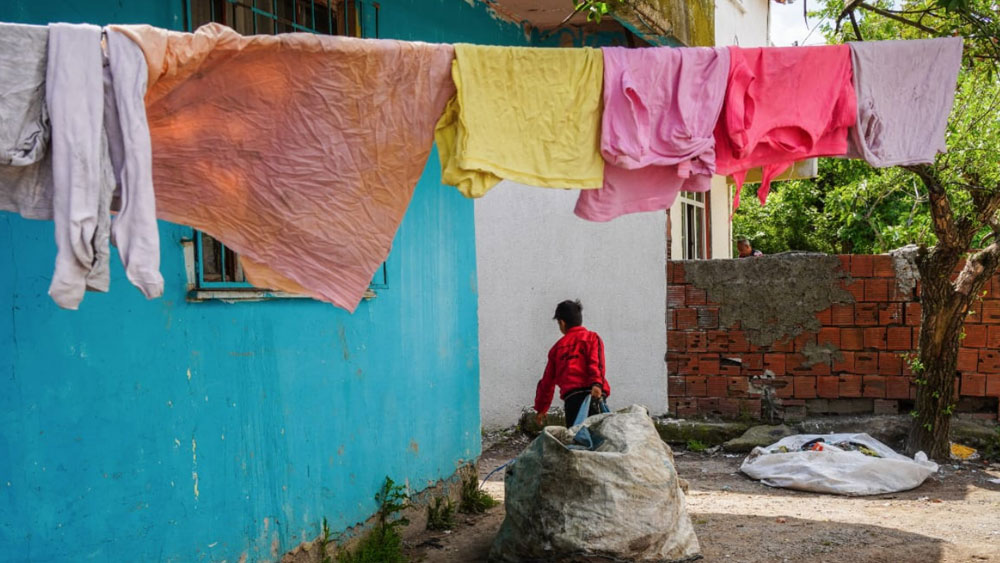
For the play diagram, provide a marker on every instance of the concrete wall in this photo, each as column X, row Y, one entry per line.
column 534, row 252
column 812, row 334
column 165, row 430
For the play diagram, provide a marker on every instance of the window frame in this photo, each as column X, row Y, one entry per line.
column 696, row 201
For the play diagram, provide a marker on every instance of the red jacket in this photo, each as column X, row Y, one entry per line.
column 575, row 362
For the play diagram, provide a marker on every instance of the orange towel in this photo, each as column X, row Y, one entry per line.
column 298, row 151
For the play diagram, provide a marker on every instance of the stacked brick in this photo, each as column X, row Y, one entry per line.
column 715, row 370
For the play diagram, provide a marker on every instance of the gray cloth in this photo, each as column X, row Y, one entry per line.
column 134, row 230
column 905, row 92
column 66, row 167
column 25, row 169
column 81, row 173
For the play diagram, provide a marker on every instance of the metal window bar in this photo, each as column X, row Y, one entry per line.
column 219, row 11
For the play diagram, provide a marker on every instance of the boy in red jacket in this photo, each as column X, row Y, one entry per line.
column 576, row 365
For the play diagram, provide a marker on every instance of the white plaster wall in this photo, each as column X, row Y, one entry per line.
column 722, row 228
column 532, row 252
column 742, row 22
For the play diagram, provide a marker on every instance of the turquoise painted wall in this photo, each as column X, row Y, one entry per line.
column 164, row 430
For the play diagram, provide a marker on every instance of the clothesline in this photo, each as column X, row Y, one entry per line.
column 301, row 152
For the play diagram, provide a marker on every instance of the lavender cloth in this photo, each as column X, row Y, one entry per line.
column 74, row 95
column 134, row 230
column 905, row 91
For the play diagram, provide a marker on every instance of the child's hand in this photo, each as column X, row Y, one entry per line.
column 540, row 419
column 596, row 393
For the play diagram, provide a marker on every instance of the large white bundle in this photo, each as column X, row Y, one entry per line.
column 842, row 470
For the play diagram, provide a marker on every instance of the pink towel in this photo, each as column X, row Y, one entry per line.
column 298, row 151
column 783, row 104
column 660, row 107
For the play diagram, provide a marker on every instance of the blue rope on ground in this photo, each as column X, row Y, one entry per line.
column 494, row 471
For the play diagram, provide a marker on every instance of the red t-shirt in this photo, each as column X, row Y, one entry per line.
column 576, row 361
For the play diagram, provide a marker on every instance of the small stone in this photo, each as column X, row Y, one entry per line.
column 781, row 520
column 758, row 436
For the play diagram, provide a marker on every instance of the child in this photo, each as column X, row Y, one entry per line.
column 576, row 365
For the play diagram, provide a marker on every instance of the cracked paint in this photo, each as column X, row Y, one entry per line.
column 194, row 466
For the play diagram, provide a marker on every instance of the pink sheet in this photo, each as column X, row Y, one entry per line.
column 660, row 108
column 783, row 104
column 298, row 151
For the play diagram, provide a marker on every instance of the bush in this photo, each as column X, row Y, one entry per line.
column 696, row 446
column 441, row 514
column 475, row 500
column 384, row 543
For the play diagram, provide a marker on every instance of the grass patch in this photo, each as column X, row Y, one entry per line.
column 475, row 500
column 441, row 514
column 384, row 543
column 696, row 446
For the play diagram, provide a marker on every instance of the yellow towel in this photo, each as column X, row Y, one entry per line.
column 531, row 115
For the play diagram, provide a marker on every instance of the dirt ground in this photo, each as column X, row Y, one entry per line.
column 953, row 517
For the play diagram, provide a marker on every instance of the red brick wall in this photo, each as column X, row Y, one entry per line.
column 715, row 370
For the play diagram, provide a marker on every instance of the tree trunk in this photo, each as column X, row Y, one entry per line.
column 943, row 316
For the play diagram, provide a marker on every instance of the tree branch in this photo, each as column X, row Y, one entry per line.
column 987, row 204
column 854, row 24
column 979, row 268
column 942, row 217
column 898, row 18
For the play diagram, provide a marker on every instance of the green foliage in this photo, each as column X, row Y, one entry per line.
column 384, row 543
column 475, row 500
column 441, row 514
column 849, row 208
column 696, row 446
column 595, row 9
column 914, row 363
column 324, row 542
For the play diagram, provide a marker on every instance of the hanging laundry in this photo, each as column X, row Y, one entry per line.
column 660, row 109
column 783, row 105
column 63, row 170
column 905, row 91
column 25, row 165
column 298, row 151
column 524, row 114
column 133, row 231
column 82, row 178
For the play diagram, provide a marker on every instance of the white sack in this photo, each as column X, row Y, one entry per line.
column 622, row 500
column 834, row 470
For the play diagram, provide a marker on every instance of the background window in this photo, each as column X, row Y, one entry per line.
column 693, row 220
column 267, row 17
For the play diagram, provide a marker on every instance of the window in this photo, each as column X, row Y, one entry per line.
column 265, row 17
column 214, row 271
column 693, row 219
